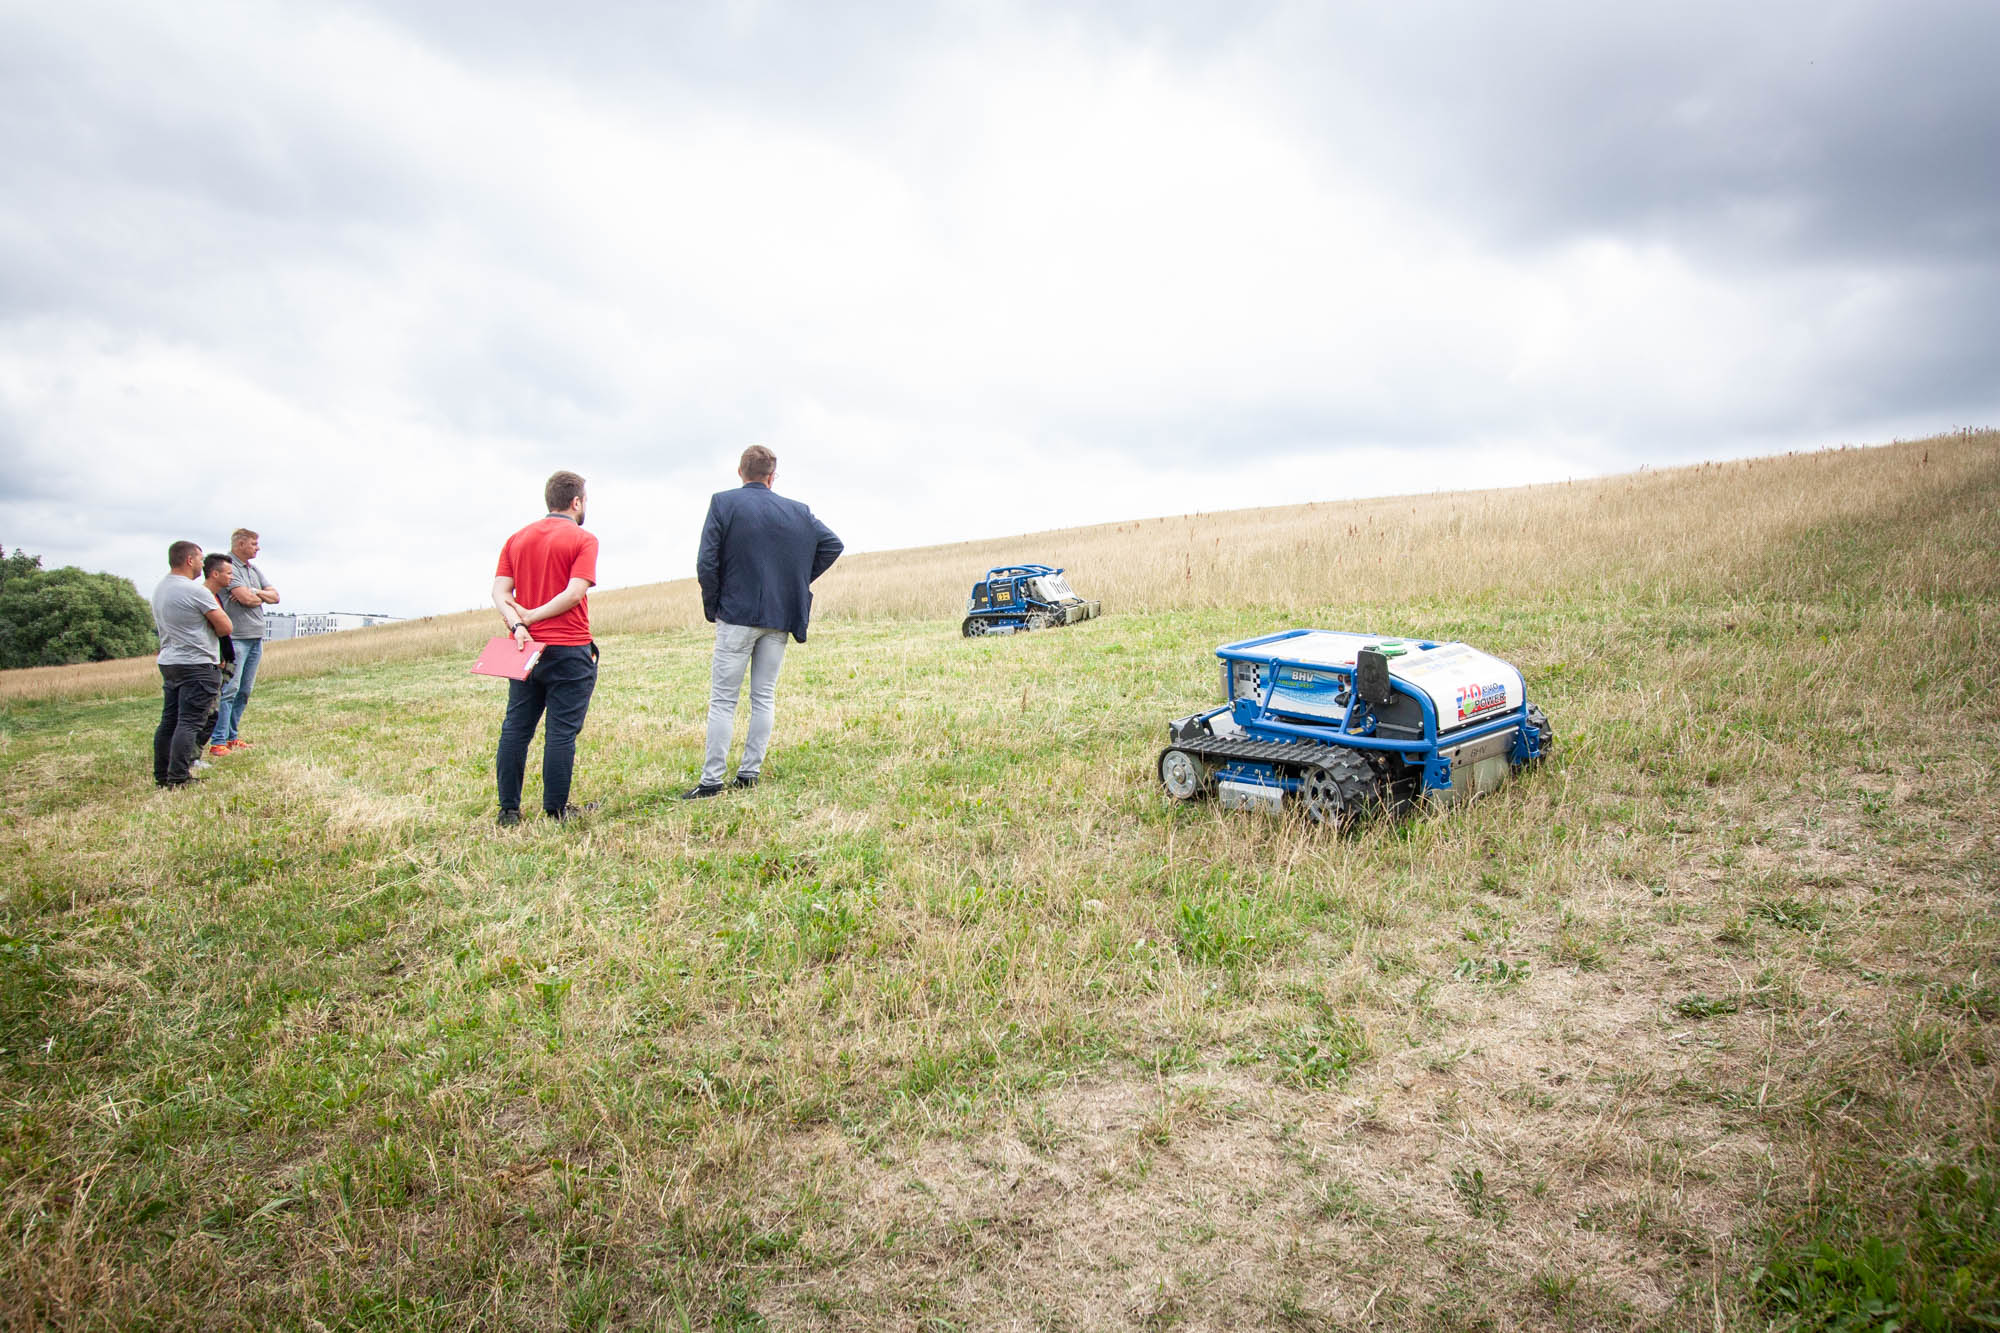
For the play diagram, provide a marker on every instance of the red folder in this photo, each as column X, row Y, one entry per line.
column 506, row 658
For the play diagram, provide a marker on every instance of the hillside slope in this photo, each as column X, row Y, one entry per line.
column 1660, row 529
column 957, row 1022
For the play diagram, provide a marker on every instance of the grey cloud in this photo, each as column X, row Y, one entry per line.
column 157, row 193
column 1789, row 131
column 1254, row 435
column 155, row 198
column 1934, row 352
column 505, row 378
column 24, row 480
column 838, row 62
column 182, row 125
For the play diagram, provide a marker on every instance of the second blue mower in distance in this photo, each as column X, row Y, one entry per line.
column 1013, row 598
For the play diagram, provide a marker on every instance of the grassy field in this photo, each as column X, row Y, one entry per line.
column 957, row 1022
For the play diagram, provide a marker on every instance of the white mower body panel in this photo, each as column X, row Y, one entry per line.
column 1463, row 684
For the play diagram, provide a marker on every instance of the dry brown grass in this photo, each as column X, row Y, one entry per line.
column 1670, row 528
column 928, row 1031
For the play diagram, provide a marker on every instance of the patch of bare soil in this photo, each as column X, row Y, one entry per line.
column 1541, row 1175
column 1581, row 1150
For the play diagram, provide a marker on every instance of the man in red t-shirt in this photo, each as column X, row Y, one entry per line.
column 544, row 579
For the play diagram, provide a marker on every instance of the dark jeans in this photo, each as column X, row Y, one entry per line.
column 560, row 684
column 190, row 695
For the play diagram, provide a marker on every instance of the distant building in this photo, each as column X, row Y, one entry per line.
column 305, row 624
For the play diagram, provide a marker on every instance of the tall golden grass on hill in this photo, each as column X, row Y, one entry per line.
column 1660, row 527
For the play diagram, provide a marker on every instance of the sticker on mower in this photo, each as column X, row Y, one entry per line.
column 1425, row 663
column 1463, row 683
column 1478, row 700
column 1320, row 693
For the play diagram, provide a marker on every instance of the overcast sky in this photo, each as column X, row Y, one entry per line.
column 361, row 276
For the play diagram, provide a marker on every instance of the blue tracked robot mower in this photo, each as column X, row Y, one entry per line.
column 1339, row 725
column 1013, row 598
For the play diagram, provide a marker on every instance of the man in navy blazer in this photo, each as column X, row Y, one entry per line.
column 759, row 555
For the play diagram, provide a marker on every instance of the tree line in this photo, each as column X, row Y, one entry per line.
column 56, row 617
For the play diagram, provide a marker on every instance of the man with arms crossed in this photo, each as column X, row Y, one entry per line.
column 759, row 554
column 244, row 601
column 190, row 623
column 544, row 574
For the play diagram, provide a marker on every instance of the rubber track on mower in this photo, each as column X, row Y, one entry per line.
column 1306, row 754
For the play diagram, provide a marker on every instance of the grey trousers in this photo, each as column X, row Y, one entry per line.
column 762, row 652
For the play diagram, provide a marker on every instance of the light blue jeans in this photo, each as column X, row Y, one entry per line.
column 236, row 690
column 737, row 648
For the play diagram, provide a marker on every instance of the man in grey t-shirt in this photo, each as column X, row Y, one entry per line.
column 190, row 622
column 244, row 600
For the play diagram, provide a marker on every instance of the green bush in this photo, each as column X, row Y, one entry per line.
column 55, row 617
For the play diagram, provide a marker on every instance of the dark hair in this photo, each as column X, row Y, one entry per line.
column 562, row 488
column 758, row 464
column 178, row 552
column 211, row 560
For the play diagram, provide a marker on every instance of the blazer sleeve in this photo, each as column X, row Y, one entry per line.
column 708, row 562
column 827, row 551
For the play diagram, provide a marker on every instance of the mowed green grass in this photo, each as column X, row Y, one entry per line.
column 958, row 1022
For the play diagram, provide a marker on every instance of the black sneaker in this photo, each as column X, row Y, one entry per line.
column 508, row 818
column 744, row 780
column 569, row 812
column 703, row 792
